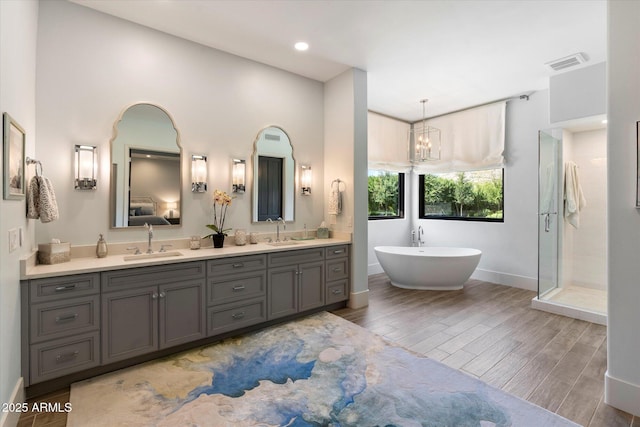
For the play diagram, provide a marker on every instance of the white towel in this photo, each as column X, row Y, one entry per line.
column 335, row 202
column 41, row 200
column 574, row 200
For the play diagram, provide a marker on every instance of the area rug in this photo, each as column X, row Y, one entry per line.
column 318, row 371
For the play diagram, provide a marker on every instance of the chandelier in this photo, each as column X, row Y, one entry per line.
column 424, row 141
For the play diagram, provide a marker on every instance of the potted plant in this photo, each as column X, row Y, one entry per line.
column 221, row 202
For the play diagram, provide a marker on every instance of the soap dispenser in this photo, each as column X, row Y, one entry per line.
column 101, row 248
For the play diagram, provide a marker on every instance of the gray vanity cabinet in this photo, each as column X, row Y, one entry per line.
column 295, row 282
column 61, row 326
column 337, row 271
column 150, row 308
column 236, row 293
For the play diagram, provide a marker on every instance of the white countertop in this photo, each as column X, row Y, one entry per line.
column 29, row 270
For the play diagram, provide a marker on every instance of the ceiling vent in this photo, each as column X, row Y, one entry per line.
column 567, row 61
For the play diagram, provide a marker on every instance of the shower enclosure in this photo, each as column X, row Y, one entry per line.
column 572, row 260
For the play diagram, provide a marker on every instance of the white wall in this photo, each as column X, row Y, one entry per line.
column 345, row 153
column 622, row 381
column 585, row 250
column 91, row 66
column 578, row 93
column 18, row 30
column 509, row 249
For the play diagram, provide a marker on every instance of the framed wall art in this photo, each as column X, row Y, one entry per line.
column 13, row 138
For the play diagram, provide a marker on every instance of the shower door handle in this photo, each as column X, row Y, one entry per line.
column 547, row 221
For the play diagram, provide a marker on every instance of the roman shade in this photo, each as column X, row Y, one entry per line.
column 387, row 143
column 472, row 139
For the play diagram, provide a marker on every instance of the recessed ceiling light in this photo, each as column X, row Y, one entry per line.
column 301, row 46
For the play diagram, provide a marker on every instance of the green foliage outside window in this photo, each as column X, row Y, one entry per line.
column 475, row 194
column 385, row 194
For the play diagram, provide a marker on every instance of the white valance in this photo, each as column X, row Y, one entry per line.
column 387, row 143
column 472, row 139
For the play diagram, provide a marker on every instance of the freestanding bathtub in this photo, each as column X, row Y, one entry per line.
column 428, row 268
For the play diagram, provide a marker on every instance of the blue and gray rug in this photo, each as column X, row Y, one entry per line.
column 318, row 371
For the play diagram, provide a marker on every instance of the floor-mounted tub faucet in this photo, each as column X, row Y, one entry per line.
column 420, row 236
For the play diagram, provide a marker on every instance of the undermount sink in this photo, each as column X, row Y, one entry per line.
column 282, row 243
column 153, row 255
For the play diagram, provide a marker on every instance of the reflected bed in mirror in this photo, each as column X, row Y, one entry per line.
column 146, row 173
column 273, row 176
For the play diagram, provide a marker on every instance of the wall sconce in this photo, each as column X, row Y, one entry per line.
column 238, row 173
column 86, row 167
column 171, row 206
column 305, row 179
column 198, row 173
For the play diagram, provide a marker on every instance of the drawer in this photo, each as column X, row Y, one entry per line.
column 337, row 291
column 295, row 257
column 234, row 265
column 337, row 251
column 236, row 316
column 149, row 276
column 54, row 359
column 57, row 288
column 237, row 287
column 58, row 319
column 337, row 269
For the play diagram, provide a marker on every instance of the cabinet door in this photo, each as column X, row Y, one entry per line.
column 182, row 312
column 283, row 291
column 129, row 323
column 312, row 287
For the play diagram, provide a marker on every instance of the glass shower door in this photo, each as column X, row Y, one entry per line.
column 548, row 203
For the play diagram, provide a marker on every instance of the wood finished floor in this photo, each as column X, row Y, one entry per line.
column 488, row 331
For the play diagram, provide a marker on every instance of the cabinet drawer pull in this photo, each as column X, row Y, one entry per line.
column 154, row 296
column 162, row 295
column 65, row 288
column 336, row 291
column 67, row 356
column 238, row 316
column 337, row 269
column 337, row 252
column 238, row 288
column 238, row 265
column 66, row 317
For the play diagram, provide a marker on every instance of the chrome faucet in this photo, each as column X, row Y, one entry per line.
column 150, row 228
column 284, row 227
column 420, row 236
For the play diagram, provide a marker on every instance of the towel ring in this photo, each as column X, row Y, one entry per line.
column 31, row 161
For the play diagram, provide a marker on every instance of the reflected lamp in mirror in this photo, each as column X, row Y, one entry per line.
column 198, row 173
column 238, row 175
column 86, row 167
column 305, row 179
column 424, row 140
column 171, row 206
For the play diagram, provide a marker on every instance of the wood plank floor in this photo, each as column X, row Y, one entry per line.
column 490, row 332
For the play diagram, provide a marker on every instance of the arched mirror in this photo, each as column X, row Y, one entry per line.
column 273, row 176
column 146, row 182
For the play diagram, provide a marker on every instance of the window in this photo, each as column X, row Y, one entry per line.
column 386, row 194
column 473, row 195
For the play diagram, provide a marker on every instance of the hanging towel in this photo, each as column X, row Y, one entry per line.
column 574, row 200
column 335, row 202
column 41, row 200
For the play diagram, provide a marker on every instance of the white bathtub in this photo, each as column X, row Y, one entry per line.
column 429, row 268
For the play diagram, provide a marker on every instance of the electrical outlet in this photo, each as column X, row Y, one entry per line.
column 14, row 239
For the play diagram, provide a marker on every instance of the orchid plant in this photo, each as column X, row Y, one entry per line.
column 221, row 202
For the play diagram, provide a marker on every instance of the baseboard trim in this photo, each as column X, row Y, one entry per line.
column 374, row 269
column 359, row 299
column 621, row 394
column 513, row 280
column 10, row 419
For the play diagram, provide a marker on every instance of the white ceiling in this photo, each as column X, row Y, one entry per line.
column 457, row 53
